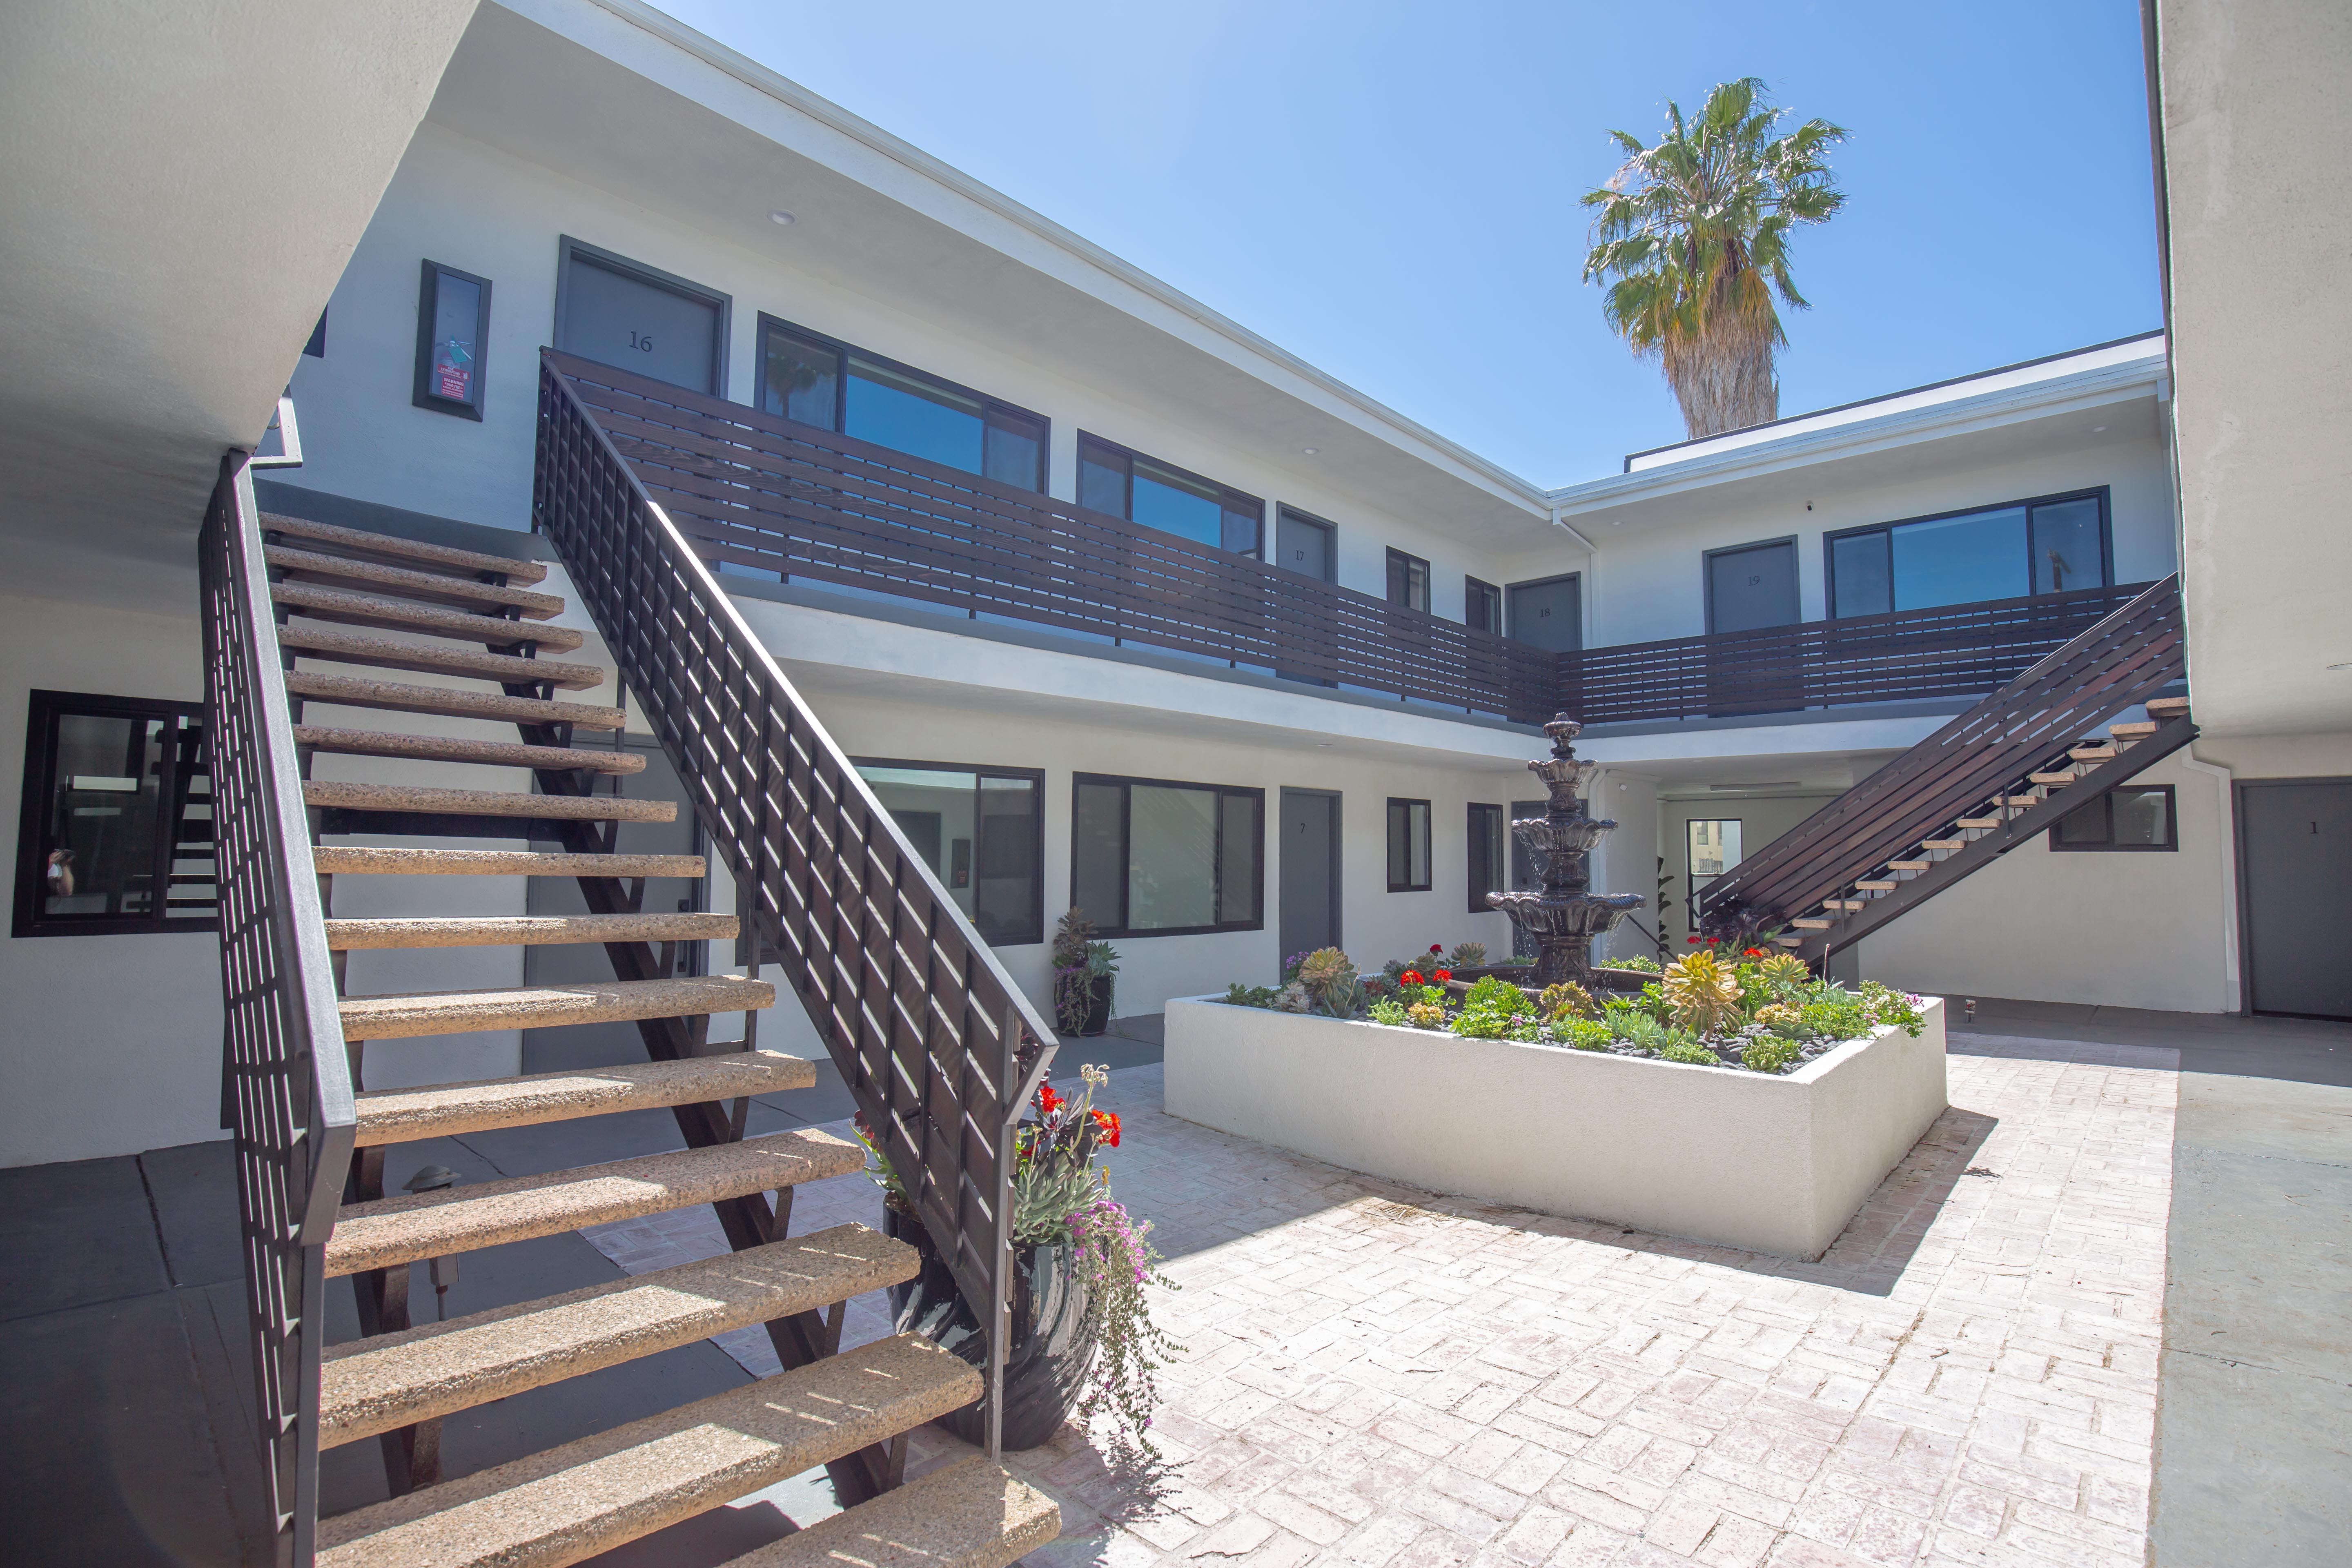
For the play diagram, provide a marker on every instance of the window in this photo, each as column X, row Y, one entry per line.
column 1712, row 848
column 1148, row 857
column 453, row 331
column 2139, row 816
column 1158, row 495
column 1488, row 863
column 981, row 830
column 116, row 828
column 2050, row 545
column 817, row 381
column 1482, row 605
column 1408, row 580
column 626, row 314
column 1408, row 845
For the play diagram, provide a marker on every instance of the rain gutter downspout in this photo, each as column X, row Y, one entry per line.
column 1592, row 568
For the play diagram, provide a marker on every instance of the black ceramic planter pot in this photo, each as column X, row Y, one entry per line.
column 1053, row 1343
column 1099, row 988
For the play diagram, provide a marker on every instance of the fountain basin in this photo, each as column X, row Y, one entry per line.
column 1771, row 1163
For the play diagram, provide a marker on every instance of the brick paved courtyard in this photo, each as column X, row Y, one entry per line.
column 1379, row 1376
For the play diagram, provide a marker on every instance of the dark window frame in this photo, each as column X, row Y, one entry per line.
column 1499, row 867
column 1488, row 599
column 1575, row 577
column 1036, row 779
column 1407, row 561
column 843, row 349
column 1331, row 539
column 567, row 248
column 428, row 314
column 39, row 790
column 2101, row 493
column 1226, row 494
column 1124, row 783
column 2105, row 799
column 1706, row 577
column 1429, row 837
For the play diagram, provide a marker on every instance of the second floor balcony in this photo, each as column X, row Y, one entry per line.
column 758, row 494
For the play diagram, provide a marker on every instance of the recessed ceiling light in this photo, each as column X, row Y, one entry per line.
column 781, row 218
column 1310, row 451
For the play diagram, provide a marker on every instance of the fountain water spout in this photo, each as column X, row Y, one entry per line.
column 1565, row 917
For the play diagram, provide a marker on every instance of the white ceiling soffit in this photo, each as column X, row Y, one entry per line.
column 2063, row 404
column 179, row 187
column 633, row 102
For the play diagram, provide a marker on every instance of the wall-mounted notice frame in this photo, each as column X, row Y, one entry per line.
column 453, row 329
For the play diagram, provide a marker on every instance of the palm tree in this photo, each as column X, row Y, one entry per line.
column 1695, row 232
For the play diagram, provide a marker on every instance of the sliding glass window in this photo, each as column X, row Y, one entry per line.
column 1159, row 495
column 2048, row 545
column 1488, row 863
column 817, row 381
column 1408, row 580
column 1408, row 845
column 1148, row 857
column 981, row 830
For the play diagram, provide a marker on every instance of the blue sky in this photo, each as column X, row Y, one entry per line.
column 1390, row 190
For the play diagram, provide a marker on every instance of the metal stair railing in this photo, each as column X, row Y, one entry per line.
column 939, row 1047
column 2128, row 656
column 286, row 1089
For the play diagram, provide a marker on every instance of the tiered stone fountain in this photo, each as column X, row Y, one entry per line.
column 1564, row 917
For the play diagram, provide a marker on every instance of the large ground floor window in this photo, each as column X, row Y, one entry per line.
column 1152, row 858
column 117, row 830
column 982, row 831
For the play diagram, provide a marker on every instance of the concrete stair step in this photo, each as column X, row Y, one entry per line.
column 2022, row 802
column 1913, row 866
column 1848, row 904
column 309, row 641
column 390, row 1231
column 446, row 557
column 354, row 859
column 449, row 1109
column 431, row 586
column 1807, row 922
column 1981, row 824
column 325, row 603
column 593, row 1494
column 2125, row 733
column 486, row 802
column 1877, row 885
column 356, row 692
column 2167, row 706
column 1788, row 941
column 373, row 1385
column 440, row 749
column 1946, row 845
column 966, row 1515
column 2097, row 753
column 525, row 931
column 399, row 1016
column 2055, row 780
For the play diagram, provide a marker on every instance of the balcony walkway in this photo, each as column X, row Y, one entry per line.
column 1384, row 1377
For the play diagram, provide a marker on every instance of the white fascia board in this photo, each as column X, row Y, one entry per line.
column 1829, row 737
column 705, row 71
column 2008, row 400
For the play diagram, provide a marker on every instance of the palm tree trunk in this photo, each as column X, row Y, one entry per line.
column 1723, row 378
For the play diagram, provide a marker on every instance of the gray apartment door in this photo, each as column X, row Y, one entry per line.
column 1303, row 544
column 1549, row 614
column 1309, row 917
column 1754, row 585
column 618, row 316
column 572, row 1045
column 2297, row 842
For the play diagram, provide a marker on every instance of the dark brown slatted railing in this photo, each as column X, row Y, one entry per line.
column 940, row 1048
column 2127, row 658
column 766, row 494
column 286, row 1083
column 1958, row 650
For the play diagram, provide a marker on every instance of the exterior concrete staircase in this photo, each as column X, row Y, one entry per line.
column 456, row 616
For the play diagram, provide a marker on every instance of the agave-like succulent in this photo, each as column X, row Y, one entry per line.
column 1703, row 994
column 1784, row 969
column 1346, row 996
column 1466, row 956
column 1566, row 999
column 1324, row 968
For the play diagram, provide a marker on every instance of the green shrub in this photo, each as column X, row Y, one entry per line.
column 1389, row 1012
column 1634, row 1027
column 1642, row 961
column 1240, row 995
column 1682, row 1046
column 1583, row 1034
column 1491, row 1011
column 1770, row 1053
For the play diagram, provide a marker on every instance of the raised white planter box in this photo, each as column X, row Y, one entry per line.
column 1770, row 1164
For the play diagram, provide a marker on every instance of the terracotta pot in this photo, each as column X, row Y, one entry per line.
column 1053, row 1342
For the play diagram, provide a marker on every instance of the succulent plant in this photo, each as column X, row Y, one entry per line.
column 1702, row 994
column 1324, row 968
column 1293, row 999
column 1784, row 969
column 1567, row 998
column 1779, row 1016
column 1425, row 1016
column 1467, row 955
column 1770, row 1053
column 1635, row 1027
column 1345, row 997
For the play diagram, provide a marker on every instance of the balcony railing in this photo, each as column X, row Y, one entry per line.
column 1958, row 650
column 755, row 491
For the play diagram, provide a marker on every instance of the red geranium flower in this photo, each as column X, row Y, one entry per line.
column 1048, row 1102
column 1444, row 976
column 1434, row 948
column 1411, row 977
column 1107, row 1126
column 1693, row 942
column 1753, row 953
